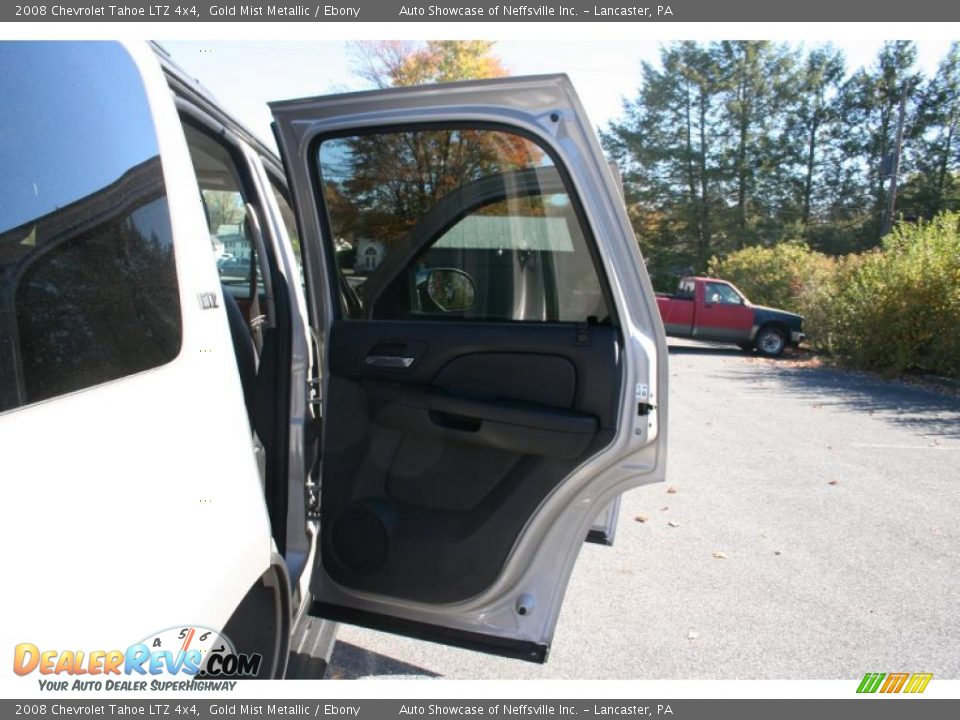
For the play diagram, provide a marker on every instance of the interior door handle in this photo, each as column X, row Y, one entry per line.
column 394, row 362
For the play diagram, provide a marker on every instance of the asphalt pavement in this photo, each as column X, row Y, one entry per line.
column 808, row 528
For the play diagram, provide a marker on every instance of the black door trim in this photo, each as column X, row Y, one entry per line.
column 490, row 644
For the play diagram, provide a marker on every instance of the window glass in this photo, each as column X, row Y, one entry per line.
column 287, row 216
column 88, row 288
column 461, row 223
column 226, row 209
column 722, row 293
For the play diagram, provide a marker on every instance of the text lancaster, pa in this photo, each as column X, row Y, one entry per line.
column 535, row 11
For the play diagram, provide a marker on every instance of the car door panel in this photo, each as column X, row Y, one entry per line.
column 507, row 425
column 465, row 459
column 454, row 452
column 718, row 319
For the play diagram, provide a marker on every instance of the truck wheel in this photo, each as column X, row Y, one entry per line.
column 746, row 346
column 771, row 341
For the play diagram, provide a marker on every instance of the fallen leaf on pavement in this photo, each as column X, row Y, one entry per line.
column 671, row 490
column 673, row 523
column 833, row 482
column 641, row 518
column 665, row 507
column 778, row 552
column 719, row 555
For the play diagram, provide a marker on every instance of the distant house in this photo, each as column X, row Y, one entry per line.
column 370, row 254
column 233, row 242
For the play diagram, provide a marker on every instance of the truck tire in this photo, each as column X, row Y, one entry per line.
column 771, row 341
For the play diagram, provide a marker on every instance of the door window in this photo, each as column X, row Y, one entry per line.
column 460, row 223
column 287, row 215
column 225, row 205
column 722, row 293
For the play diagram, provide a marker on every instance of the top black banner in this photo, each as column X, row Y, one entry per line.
column 484, row 11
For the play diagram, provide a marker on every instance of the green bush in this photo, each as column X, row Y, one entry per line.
column 790, row 276
column 778, row 276
column 892, row 310
column 897, row 308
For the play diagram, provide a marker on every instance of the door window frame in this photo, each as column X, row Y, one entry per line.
column 316, row 182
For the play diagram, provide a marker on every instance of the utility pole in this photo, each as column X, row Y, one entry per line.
column 895, row 170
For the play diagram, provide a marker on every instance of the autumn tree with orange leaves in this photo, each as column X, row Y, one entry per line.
column 393, row 179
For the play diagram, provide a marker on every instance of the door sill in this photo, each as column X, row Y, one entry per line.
column 490, row 644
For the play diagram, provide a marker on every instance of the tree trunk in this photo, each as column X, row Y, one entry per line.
column 811, row 162
column 705, row 239
column 691, row 176
column 944, row 166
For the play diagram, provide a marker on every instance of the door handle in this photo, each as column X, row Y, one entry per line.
column 393, row 362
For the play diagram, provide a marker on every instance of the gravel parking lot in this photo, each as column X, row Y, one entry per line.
column 808, row 528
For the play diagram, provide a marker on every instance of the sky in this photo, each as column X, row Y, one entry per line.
column 244, row 76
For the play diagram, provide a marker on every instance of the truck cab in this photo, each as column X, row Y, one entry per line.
column 390, row 380
column 705, row 308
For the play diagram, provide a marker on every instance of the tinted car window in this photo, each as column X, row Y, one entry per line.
column 465, row 223
column 88, row 289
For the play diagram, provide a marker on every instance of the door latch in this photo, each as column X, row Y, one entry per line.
column 644, row 407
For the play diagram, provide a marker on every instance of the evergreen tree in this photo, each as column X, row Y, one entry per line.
column 934, row 185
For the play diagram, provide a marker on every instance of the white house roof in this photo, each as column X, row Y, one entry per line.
column 493, row 232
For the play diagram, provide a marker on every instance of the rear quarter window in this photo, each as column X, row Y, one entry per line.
column 88, row 288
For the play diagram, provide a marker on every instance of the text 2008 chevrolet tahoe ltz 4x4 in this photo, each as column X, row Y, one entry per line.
column 391, row 381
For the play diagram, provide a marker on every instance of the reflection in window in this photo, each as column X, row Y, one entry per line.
column 88, row 289
column 527, row 257
column 486, row 203
column 99, row 305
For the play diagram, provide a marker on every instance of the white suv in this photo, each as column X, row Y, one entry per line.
column 391, row 382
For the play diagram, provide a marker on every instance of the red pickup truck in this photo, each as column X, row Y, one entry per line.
column 710, row 309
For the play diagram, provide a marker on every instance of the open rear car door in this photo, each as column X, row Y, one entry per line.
column 494, row 366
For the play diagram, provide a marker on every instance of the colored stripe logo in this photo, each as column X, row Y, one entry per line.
column 894, row 682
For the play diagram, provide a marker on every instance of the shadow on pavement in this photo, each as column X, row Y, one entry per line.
column 926, row 412
column 350, row 662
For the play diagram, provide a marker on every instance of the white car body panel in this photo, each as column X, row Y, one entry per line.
column 135, row 505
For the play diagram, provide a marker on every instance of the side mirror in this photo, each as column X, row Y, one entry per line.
column 451, row 290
